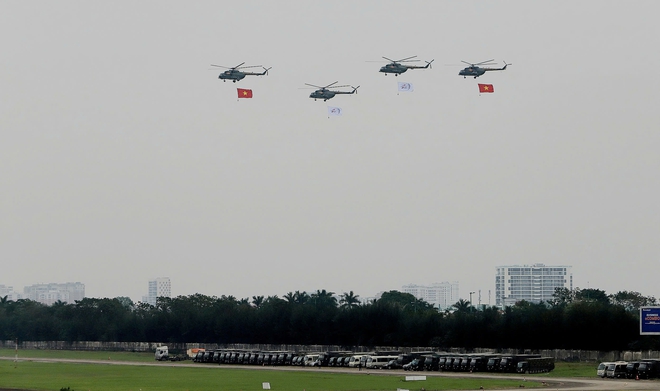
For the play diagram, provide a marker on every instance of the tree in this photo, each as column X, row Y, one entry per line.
column 462, row 306
column 349, row 300
column 323, row 299
column 631, row 301
column 562, row 297
column 257, row 301
column 592, row 295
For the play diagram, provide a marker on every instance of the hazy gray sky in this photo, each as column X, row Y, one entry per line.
column 123, row 157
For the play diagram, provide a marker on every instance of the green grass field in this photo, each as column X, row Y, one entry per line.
column 79, row 355
column 32, row 375
column 95, row 377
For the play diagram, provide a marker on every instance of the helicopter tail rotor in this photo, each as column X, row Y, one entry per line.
column 355, row 89
column 428, row 63
column 266, row 70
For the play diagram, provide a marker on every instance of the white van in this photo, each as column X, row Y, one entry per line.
column 310, row 360
column 602, row 368
column 379, row 362
column 162, row 353
column 354, row 361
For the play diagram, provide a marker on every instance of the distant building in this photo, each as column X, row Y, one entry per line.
column 51, row 293
column 160, row 287
column 442, row 295
column 9, row 292
column 534, row 283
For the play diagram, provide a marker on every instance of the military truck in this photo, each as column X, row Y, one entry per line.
column 536, row 365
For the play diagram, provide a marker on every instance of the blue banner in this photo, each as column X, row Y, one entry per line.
column 649, row 321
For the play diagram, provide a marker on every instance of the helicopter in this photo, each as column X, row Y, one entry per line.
column 396, row 66
column 325, row 94
column 476, row 71
column 235, row 74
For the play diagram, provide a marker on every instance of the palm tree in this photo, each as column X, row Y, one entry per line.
column 322, row 298
column 257, row 301
column 349, row 300
column 463, row 305
column 290, row 297
column 301, row 297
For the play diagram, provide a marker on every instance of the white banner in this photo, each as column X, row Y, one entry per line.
column 266, row 386
column 414, row 378
column 406, row 87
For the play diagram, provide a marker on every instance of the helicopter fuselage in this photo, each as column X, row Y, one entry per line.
column 232, row 75
column 322, row 94
column 395, row 68
column 472, row 71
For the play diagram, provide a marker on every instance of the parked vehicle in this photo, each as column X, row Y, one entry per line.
column 631, row 369
column 354, row 361
column 310, row 360
column 537, row 365
column 162, row 353
column 649, row 369
column 417, row 364
column 199, row 357
column 616, row 370
column 432, row 363
column 325, row 358
column 480, row 363
column 378, row 362
column 493, row 364
column 509, row 364
column 601, row 371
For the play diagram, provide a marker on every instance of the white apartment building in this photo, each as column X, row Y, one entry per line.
column 535, row 283
column 160, row 287
column 48, row 294
column 9, row 292
column 441, row 294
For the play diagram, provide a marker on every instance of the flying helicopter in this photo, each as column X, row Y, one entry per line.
column 235, row 74
column 396, row 66
column 476, row 70
column 325, row 94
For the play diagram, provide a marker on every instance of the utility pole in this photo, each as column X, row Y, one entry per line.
column 471, row 300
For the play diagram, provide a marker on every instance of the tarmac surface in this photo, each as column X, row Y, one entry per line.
column 551, row 383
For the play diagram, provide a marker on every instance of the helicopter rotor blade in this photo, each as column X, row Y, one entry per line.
column 238, row 65
column 312, row 85
column 220, row 66
column 388, row 59
column 251, row 66
column 484, row 62
column 407, row 59
column 331, row 84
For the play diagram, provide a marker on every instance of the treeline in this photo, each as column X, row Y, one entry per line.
column 586, row 319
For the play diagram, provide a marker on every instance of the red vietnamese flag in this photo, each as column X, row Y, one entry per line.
column 243, row 93
column 486, row 88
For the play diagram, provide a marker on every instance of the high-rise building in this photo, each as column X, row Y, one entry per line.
column 160, row 287
column 8, row 291
column 441, row 294
column 534, row 283
column 48, row 294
